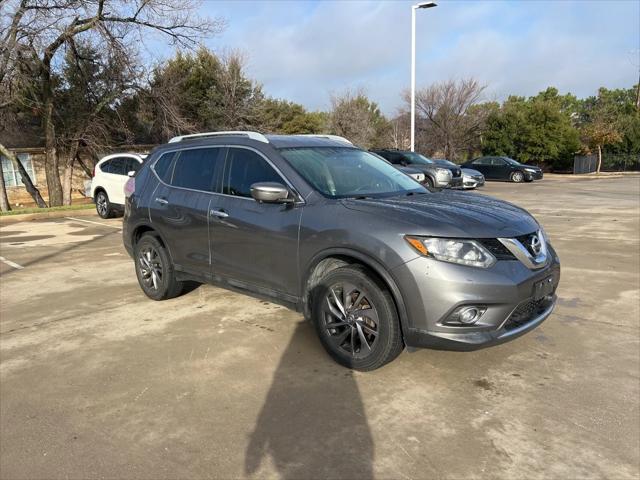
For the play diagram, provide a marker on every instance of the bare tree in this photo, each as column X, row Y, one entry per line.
column 358, row 119
column 401, row 131
column 36, row 31
column 445, row 111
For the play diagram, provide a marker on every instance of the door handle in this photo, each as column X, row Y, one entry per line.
column 219, row 213
column 163, row 201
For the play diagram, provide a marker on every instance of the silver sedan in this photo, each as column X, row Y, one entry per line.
column 471, row 179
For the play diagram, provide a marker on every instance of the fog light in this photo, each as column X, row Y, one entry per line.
column 466, row 316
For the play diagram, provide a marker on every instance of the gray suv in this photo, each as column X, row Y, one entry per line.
column 376, row 261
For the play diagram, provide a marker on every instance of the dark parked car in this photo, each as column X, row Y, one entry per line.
column 437, row 176
column 504, row 168
column 376, row 261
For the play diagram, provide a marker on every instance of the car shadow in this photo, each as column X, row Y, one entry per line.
column 313, row 423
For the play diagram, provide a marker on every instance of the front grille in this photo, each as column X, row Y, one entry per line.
column 526, row 311
column 456, row 172
column 525, row 240
column 497, row 249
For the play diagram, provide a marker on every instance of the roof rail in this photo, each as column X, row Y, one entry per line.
column 252, row 135
column 337, row 138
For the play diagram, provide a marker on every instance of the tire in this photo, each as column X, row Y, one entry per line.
column 154, row 269
column 103, row 205
column 356, row 340
column 517, row 177
column 428, row 182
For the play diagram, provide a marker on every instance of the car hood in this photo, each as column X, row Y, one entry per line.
column 471, row 172
column 451, row 213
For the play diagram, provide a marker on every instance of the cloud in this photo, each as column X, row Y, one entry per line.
column 303, row 51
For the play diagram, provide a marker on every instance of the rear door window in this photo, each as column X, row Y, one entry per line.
column 164, row 167
column 244, row 168
column 196, row 168
column 115, row 166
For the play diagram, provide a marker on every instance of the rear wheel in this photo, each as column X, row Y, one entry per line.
column 103, row 206
column 356, row 319
column 154, row 269
column 517, row 177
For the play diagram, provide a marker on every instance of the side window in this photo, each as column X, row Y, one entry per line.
column 395, row 158
column 115, row 166
column 163, row 166
column 244, row 168
column 195, row 168
column 132, row 165
column 498, row 162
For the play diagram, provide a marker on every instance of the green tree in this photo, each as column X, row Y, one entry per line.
column 281, row 116
column 538, row 129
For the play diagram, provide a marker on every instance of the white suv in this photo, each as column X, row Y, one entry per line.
column 109, row 176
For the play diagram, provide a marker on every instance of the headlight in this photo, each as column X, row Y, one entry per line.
column 453, row 250
column 532, row 170
column 443, row 172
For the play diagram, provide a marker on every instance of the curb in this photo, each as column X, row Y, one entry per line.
column 27, row 217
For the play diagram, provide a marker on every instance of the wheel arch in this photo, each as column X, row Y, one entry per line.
column 141, row 229
column 333, row 258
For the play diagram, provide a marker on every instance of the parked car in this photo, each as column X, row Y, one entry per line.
column 376, row 261
column 504, row 168
column 437, row 176
column 417, row 175
column 472, row 179
column 109, row 177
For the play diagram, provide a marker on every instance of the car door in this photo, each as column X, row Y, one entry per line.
column 114, row 178
column 501, row 168
column 483, row 165
column 254, row 244
column 179, row 207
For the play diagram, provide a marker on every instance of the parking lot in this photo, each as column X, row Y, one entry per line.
column 98, row 381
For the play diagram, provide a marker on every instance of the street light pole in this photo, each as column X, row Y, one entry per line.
column 413, row 68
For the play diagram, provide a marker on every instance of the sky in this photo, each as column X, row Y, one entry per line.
column 306, row 50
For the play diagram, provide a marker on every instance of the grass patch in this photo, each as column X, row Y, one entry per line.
column 20, row 211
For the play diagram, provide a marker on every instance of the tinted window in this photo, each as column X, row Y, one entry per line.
column 115, row 166
column 132, row 165
column 195, row 168
column 244, row 168
column 498, row 162
column 482, row 161
column 163, row 167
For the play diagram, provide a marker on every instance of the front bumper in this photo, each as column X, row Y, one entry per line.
column 534, row 175
column 455, row 182
column 472, row 182
column 433, row 290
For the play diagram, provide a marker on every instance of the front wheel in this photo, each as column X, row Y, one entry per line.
column 154, row 269
column 356, row 319
column 103, row 206
column 517, row 177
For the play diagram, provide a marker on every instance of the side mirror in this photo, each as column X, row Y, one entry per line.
column 270, row 192
column 131, row 173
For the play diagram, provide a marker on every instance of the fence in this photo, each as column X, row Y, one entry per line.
column 610, row 163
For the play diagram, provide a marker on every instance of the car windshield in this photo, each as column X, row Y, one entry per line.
column 417, row 158
column 349, row 172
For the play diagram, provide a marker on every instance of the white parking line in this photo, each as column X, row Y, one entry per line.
column 91, row 221
column 11, row 264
